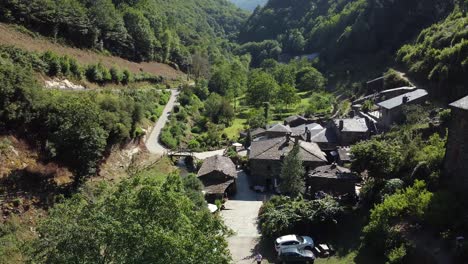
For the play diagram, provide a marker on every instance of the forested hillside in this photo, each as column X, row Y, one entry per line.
column 249, row 4
column 342, row 27
column 164, row 31
column 440, row 55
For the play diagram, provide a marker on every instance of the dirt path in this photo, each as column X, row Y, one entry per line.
column 10, row 36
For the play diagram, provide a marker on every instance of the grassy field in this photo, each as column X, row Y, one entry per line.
column 237, row 126
column 160, row 170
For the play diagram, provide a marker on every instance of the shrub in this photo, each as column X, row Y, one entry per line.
column 393, row 79
column 116, row 75
column 126, row 77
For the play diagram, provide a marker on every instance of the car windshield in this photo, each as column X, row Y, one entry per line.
column 300, row 239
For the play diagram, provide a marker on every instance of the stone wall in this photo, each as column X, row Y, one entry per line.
column 456, row 158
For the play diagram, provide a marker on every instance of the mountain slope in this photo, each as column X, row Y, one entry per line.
column 343, row 27
column 164, row 31
column 440, row 56
column 11, row 37
column 249, row 4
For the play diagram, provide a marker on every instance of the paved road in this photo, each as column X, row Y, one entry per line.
column 153, row 144
column 241, row 216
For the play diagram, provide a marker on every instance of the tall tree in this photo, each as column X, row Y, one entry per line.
column 138, row 221
column 262, row 88
column 292, row 173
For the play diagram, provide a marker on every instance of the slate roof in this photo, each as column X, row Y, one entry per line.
column 299, row 130
column 280, row 128
column 218, row 163
column 333, row 172
column 326, row 135
column 398, row 100
column 275, row 148
column 353, row 125
column 217, row 188
column 294, row 118
column 461, row 104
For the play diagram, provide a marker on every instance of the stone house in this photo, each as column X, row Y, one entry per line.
column 332, row 179
column 278, row 130
column 456, row 157
column 218, row 175
column 325, row 138
column 392, row 109
column 266, row 158
column 351, row 130
column 295, row 120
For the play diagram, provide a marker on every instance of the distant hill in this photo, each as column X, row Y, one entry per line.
column 249, row 5
column 343, row 27
column 146, row 30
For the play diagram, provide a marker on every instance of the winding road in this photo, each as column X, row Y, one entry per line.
column 152, row 143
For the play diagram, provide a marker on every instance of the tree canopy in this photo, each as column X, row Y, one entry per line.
column 141, row 220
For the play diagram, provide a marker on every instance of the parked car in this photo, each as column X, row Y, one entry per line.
column 289, row 255
column 294, row 241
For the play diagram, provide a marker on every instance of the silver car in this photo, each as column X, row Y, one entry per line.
column 294, row 241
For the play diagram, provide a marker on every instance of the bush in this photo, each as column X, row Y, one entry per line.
column 116, row 75
column 381, row 233
column 393, row 79
column 283, row 215
column 168, row 140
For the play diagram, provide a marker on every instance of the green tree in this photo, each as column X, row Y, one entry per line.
column 292, row 173
column 138, row 221
column 262, row 88
column 218, row 109
column 287, row 95
column 310, row 79
column 380, row 158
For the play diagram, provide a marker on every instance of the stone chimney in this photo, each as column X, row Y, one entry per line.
column 308, row 136
column 296, row 140
column 405, row 99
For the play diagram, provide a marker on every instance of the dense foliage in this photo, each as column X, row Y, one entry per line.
column 383, row 234
column 340, row 28
column 440, row 55
column 54, row 65
column 75, row 128
column 141, row 220
column 283, row 215
column 165, row 31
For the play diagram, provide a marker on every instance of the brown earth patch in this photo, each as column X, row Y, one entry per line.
column 11, row 36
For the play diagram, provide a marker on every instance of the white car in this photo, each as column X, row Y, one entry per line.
column 294, row 241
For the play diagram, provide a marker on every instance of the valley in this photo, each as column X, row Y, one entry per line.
column 215, row 131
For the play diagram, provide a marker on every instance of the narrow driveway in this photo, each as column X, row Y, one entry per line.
column 152, row 143
column 241, row 216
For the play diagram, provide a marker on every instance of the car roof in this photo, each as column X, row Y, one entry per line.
column 286, row 238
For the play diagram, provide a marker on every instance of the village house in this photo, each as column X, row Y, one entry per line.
column 324, row 137
column 295, row 120
column 456, row 157
column 255, row 133
column 278, row 130
column 266, row 158
column 351, row 130
column 218, row 175
column 391, row 110
column 332, row 179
